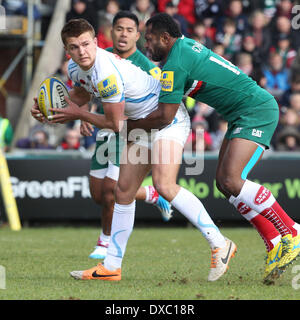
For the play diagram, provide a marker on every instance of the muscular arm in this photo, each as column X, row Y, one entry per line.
column 113, row 117
column 158, row 119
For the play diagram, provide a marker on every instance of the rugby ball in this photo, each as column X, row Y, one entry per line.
column 52, row 94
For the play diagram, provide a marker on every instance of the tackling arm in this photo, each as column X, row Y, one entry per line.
column 158, row 119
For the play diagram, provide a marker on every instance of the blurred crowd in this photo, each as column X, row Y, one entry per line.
column 261, row 37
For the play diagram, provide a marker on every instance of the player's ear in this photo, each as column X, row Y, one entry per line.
column 165, row 37
column 138, row 35
column 66, row 49
column 96, row 41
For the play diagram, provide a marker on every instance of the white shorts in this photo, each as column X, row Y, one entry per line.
column 177, row 131
column 112, row 171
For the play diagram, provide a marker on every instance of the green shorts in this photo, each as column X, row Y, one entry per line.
column 257, row 125
column 107, row 151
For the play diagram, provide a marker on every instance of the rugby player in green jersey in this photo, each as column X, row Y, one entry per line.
column 190, row 69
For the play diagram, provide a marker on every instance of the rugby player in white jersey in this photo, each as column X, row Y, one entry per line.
column 128, row 92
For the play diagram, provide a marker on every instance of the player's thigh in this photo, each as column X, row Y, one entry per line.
column 108, row 191
column 222, row 152
column 167, row 158
column 131, row 176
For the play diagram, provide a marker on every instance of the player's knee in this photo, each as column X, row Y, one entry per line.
column 228, row 184
column 108, row 200
column 97, row 197
column 123, row 194
column 162, row 188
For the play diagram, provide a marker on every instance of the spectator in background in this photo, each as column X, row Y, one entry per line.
column 230, row 39
column 261, row 32
column 204, row 111
column 277, row 76
column 284, row 8
column 283, row 26
column 143, row 9
column 172, row 10
column 295, row 102
column 199, row 34
column 199, row 139
column 208, row 9
column 269, row 9
column 294, row 88
column 244, row 62
column 6, row 134
column 284, row 48
column 38, row 139
column 234, row 12
column 288, row 139
column 71, row 141
column 219, row 49
column 85, row 10
column 259, row 76
column 249, row 46
column 289, row 118
column 104, row 38
column 187, row 9
column 111, row 8
column 106, row 16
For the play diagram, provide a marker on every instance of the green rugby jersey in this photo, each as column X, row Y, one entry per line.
column 193, row 70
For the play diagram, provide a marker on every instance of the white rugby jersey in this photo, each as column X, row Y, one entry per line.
column 113, row 79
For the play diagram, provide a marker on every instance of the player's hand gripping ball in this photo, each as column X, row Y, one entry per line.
column 52, row 93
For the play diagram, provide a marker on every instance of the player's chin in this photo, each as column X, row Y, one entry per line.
column 84, row 63
column 123, row 49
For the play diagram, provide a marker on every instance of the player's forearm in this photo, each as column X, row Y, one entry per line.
column 155, row 120
column 100, row 121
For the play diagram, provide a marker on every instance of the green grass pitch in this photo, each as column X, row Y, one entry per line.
column 159, row 264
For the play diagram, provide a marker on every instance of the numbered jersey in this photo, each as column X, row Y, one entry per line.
column 113, row 80
column 193, row 70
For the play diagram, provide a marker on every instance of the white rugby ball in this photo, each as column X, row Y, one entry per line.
column 52, row 94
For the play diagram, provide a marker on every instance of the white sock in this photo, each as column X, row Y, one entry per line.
column 249, row 194
column 121, row 228
column 151, row 194
column 192, row 208
column 103, row 239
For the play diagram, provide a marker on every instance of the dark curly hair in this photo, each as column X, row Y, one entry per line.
column 162, row 22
